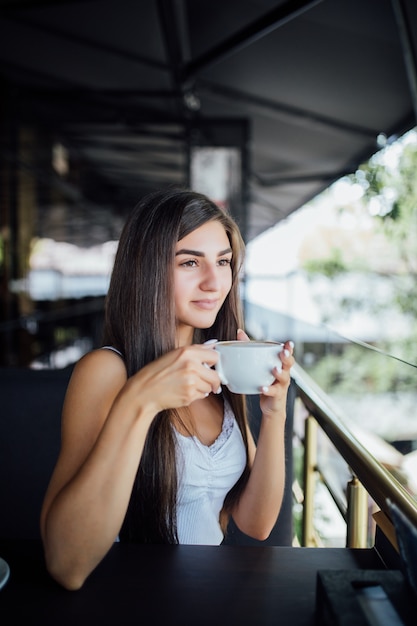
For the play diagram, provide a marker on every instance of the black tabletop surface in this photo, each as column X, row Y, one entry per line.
column 199, row 585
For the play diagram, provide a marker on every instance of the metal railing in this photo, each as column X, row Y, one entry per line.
column 369, row 477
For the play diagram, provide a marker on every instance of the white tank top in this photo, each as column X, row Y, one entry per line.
column 205, row 475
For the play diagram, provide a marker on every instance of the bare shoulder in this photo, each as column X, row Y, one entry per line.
column 95, row 382
column 99, row 364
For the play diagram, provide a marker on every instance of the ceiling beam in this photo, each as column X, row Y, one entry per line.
column 273, row 180
column 168, row 12
column 169, row 24
column 87, row 42
column 257, row 29
column 16, row 5
column 409, row 51
column 275, row 109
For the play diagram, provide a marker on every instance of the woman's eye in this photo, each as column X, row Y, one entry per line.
column 190, row 263
column 225, row 262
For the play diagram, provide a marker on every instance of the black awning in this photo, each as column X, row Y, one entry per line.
column 125, row 83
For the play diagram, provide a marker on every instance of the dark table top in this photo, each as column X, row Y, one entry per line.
column 196, row 585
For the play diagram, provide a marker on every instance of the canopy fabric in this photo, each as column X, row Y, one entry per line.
column 313, row 87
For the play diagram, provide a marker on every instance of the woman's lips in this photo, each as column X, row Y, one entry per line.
column 207, row 305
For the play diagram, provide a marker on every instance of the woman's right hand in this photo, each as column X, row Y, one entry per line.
column 178, row 378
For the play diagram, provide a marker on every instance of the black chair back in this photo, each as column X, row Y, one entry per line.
column 283, row 532
column 30, row 426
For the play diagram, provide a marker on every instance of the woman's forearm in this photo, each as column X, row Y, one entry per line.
column 84, row 518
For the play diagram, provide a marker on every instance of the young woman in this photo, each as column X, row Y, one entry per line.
column 153, row 448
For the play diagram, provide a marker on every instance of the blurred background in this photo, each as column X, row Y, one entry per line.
column 299, row 117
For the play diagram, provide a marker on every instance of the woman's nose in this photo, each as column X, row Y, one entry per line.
column 210, row 279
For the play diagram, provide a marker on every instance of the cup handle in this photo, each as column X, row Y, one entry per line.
column 219, row 369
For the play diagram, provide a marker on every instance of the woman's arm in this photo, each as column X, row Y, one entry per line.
column 105, row 421
column 260, row 503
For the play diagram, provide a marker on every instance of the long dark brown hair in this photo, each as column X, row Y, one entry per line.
column 140, row 323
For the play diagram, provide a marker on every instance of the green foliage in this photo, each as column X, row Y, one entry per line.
column 395, row 194
column 396, row 191
column 333, row 266
column 357, row 371
column 390, row 195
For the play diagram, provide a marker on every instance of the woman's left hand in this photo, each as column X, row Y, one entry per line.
column 273, row 398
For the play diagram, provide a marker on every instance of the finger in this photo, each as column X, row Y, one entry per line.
column 241, row 335
column 211, row 377
column 208, row 353
column 286, row 354
column 289, row 345
column 207, row 357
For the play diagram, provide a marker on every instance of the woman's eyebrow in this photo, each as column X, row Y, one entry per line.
column 199, row 253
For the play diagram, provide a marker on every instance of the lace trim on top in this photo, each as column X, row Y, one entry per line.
column 227, row 427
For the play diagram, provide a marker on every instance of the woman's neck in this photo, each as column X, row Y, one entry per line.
column 185, row 336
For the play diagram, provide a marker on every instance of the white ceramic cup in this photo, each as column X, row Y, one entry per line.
column 246, row 366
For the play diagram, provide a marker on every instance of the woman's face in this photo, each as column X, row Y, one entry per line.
column 202, row 278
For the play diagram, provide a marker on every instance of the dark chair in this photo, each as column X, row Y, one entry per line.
column 30, row 418
column 282, row 533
